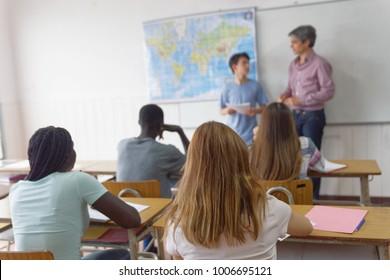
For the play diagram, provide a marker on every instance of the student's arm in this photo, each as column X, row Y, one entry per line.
column 255, row 111
column 117, row 210
column 179, row 130
column 227, row 111
column 299, row 225
column 223, row 104
column 177, row 258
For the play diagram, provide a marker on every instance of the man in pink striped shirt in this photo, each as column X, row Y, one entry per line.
column 310, row 86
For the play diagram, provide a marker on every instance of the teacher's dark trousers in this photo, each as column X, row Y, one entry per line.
column 311, row 124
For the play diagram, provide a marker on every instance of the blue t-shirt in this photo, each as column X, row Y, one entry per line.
column 249, row 92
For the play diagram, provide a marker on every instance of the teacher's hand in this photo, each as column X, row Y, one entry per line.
column 280, row 98
column 292, row 101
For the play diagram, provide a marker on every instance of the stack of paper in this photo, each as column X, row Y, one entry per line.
column 336, row 219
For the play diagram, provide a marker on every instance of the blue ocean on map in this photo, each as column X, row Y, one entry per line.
column 187, row 58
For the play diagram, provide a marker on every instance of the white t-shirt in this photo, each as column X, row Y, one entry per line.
column 51, row 213
column 277, row 216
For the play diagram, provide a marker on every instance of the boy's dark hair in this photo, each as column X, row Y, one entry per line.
column 150, row 114
column 235, row 58
column 305, row 32
column 48, row 151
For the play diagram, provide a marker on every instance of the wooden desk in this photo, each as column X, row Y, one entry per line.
column 148, row 217
column 375, row 231
column 104, row 167
column 355, row 168
column 4, row 190
column 22, row 166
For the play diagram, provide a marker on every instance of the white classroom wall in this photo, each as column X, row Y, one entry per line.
column 79, row 64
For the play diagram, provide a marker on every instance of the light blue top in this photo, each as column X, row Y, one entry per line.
column 51, row 213
column 249, row 92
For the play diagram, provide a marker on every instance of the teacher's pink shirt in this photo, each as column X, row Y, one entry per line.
column 311, row 82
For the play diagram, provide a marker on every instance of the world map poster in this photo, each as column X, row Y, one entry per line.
column 187, row 58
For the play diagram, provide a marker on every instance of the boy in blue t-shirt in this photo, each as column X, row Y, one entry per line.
column 237, row 94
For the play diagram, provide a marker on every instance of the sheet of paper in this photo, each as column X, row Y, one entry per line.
column 335, row 219
column 96, row 216
column 284, row 237
column 242, row 108
column 329, row 166
column 139, row 207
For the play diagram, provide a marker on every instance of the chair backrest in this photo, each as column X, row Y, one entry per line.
column 147, row 188
column 301, row 190
column 283, row 190
column 22, row 255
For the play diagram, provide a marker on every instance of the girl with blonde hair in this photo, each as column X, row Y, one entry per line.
column 277, row 152
column 221, row 211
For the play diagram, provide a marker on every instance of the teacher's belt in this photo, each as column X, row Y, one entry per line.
column 303, row 112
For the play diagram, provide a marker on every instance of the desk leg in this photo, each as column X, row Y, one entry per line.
column 364, row 191
column 160, row 244
column 383, row 251
column 133, row 244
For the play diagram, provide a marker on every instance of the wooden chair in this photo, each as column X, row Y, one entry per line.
column 301, row 190
column 280, row 189
column 147, row 188
column 24, row 255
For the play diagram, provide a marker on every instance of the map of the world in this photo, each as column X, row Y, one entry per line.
column 188, row 58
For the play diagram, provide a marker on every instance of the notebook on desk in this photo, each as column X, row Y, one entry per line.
column 336, row 219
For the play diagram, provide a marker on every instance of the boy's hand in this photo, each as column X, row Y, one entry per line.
column 171, row 128
column 230, row 111
column 252, row 112
column 227, row 111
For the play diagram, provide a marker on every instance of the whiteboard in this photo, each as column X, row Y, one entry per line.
column 354, row 36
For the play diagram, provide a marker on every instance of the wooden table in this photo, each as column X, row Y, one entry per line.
column 355, row 168
column 375, row 231
column 103, row 167
column 148, row 217
column 4, row 190
column 22, row 166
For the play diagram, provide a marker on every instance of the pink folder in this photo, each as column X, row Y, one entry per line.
column 336, row 219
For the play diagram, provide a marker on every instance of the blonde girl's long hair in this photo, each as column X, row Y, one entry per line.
column 276, row 151
column 218, row 194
